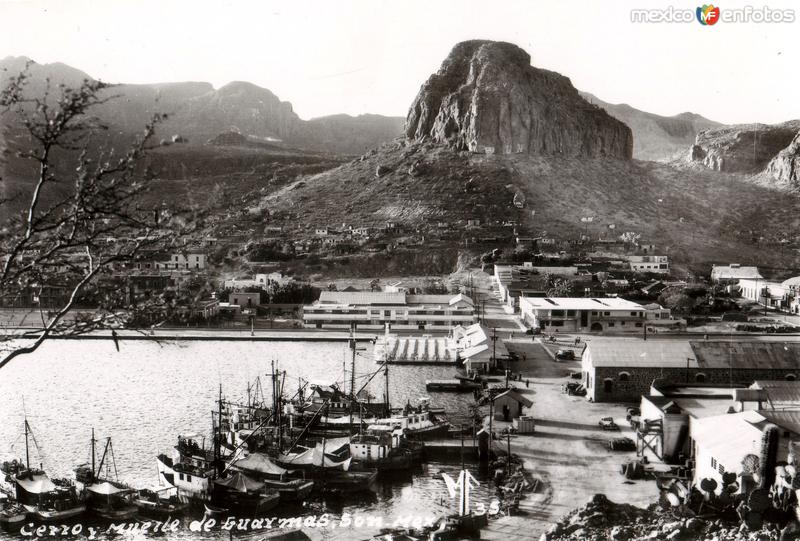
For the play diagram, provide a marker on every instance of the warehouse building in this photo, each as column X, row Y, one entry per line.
column 618, row 370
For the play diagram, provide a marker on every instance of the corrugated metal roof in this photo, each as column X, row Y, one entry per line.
column 630, row 353
column 787, row 419
column 751, row 354
column 429, row 299
column 701, row 354
column 361, row 297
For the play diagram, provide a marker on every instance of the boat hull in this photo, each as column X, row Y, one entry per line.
column 52, row 515
column 428, row 433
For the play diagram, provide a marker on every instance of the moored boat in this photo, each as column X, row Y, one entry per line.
column 159, row 502
column 11, row 513
column 106, row 498
column 43, row 498
column 290, row 484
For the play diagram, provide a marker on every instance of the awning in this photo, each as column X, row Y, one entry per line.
column 240, row 483
column 259, row 462
column 36, row 484
column 105, row 488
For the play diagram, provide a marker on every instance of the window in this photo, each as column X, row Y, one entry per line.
column 700, row 377
column 606, row 313
column 713, row 462
column 638, row 324
column 610, row 323
column 791, row 377
column 570, row 312
column 721, row 468
column 624, row 376
column 594, row 312
column 180, row 476
column 608, row 385
column 633, row 313
column 188, row 477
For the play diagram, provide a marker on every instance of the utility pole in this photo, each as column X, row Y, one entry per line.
column 508, row 462
column 494, row 347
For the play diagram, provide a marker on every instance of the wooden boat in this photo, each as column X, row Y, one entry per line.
column 106, row 498
column 290, row 484
column 325, row 465
column 43, row 498
column 158, row 503
column 11, row 513
column 240, row 494
column 382, row 448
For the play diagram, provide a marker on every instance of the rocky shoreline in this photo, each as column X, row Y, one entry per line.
column 602, row 519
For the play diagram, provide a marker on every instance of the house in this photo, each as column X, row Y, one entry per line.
column 731, row 274
column 184, row 261
column 777, row 295
column 656, row 264
column 247, row 300
column 478, row 349
column 321, row 231
column 509, row 405
column 582, row 314
column 372, row 310
column 624, row 369
column 721, row 443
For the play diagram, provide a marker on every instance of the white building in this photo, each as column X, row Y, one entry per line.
column 721, row 442
column 582, row 314
column 731, row 274
column 779, row 295
column 184, row 261
column 373, row 310
column 658, row 264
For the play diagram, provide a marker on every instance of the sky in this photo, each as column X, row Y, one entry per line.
column 371, row 56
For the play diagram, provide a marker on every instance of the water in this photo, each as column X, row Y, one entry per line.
column 147, row 393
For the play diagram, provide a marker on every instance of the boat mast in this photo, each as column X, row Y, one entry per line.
column 352, row 374
column 218, row 435
column 27, row 452
column 93, row 453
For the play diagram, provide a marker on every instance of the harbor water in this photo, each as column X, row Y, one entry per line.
column 147, row 393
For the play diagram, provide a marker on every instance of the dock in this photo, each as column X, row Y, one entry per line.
column 451, row 449
column 425, row 349
column 452, row 385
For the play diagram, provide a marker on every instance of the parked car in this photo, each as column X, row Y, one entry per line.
column 622, row 444
column 574, row 388
column 607, row 423
column 576, row 375
column 565, row 354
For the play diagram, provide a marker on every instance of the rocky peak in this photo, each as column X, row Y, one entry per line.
column 743, row 148
column 785, row 166
column 486, row 97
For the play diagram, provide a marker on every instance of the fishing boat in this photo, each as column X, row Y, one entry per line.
column 106, row 498
column 43, row 498
column 159, row 502
column 328, row 465
column 239, row 493
column 11, row 512
column 417, row 423
column 290, row 484
column 382, row 448
column 189, row 470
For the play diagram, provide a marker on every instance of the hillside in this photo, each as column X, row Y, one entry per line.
column 197, row 111
column 703, row 216
column 656, row 137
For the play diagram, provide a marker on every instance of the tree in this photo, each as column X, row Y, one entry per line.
column 84, row 217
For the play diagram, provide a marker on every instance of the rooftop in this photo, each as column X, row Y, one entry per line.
column 580, row 303
column 751, row 354
column 734, row 272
